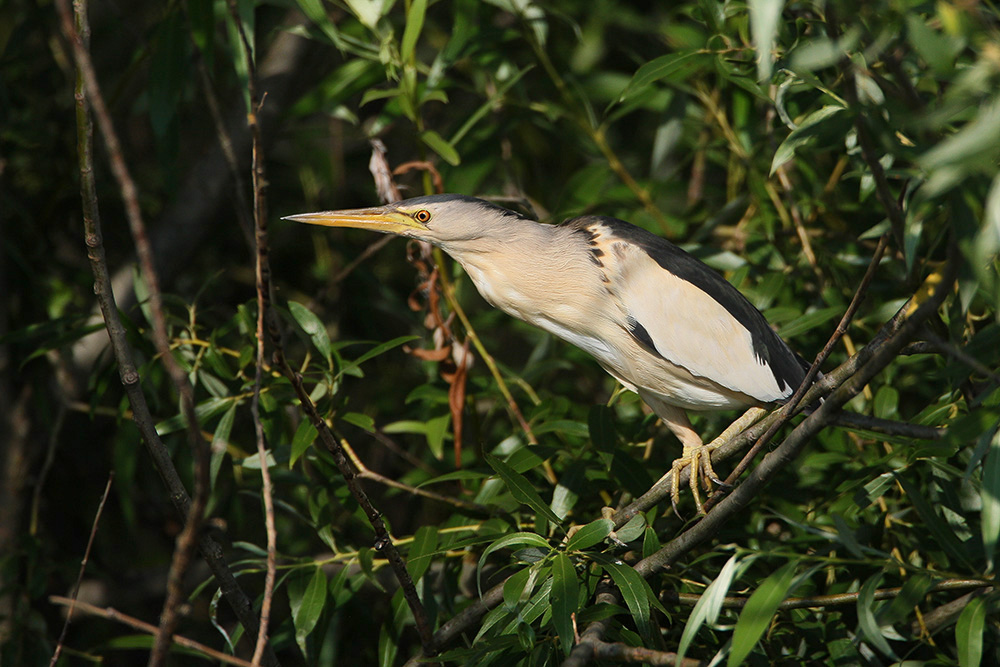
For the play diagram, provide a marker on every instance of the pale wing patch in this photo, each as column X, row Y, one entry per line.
column 689, row 328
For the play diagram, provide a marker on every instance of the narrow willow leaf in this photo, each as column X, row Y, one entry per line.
column 304, row 436
column 804, row 134
column 307, row 605
column 707, row 609
column 316, row 13
column 519, row 586
column 635, row 591
column 866, row 616
column 990, row 495
column 764, row 24
column 509, row 541
column 939, row 528
column 521, row 488
column 969, row 633
column 313, row 327
column 424, row 545
column 659, row 68
column 759, row 611
column 440, row 145
column 563, row 597
column 220, row 442
column 382, row 348
column 590, row 534
column 414, row 24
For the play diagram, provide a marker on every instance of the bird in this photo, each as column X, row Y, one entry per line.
column 661, row 322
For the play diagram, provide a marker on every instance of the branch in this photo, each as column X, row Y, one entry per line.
column 262, row 274
column 88, row 93
column 160, row 455
column 83, row 568
column 818, row 601
column 115, row 615
column 790, row 408
column 885, row 347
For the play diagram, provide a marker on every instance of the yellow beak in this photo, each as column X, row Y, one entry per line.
column 378, row 219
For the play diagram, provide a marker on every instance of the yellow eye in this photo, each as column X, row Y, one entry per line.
column 423, row 215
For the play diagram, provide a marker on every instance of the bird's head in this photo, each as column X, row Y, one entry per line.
column 439, row 219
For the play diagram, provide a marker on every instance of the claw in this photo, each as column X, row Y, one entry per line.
column 699, row 458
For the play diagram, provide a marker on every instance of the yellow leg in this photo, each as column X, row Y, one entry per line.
column 699, row 457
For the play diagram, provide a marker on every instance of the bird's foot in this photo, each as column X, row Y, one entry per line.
column 699, row 457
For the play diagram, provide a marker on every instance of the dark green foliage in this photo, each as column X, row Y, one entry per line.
column 775, row 141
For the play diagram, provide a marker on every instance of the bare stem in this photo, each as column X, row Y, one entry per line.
column 83, row 569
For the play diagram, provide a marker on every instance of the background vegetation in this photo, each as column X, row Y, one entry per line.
column 776, row 141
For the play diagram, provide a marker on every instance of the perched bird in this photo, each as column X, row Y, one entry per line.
column 661, row 322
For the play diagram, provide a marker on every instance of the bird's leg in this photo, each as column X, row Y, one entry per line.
column 699, row 456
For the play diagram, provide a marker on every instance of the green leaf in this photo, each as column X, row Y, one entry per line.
column 307, row 605
column 977, row 138
column 316, row 12
column 359, row 420
column 440, row 145
column 969, row 633
column 990, row 495
column 521, row 488
column 660, row 68
column 759, row 611
column 220, row 442
column 590, row 534
column 866, row 616
column 508, row 541
column 635, row 591
column 765, row 18
column 424, row 545
column 939, row 528
column 564, row 598
column 707, row 609
column 313, row 327
column 519, row 586
column 304, row 436
column 381, row 348
column 414, row 24
column 809, row 321
column 204, row 411
column 806, row 133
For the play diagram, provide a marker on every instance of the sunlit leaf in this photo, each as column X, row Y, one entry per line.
column 866, row 616
column 969, row 633
column 414, row 24
column 758, row 612
column 589, row 534
column 707, row 609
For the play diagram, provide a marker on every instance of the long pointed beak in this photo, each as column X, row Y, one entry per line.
column 379, row 219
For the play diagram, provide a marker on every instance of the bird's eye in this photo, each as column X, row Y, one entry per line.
column 423, row 215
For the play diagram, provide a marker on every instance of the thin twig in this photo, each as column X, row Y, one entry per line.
column 818, row 601
column 789, row 409
column 225, row 140
column 365, row 472
column 263, row 283
column 77, row 31
column 125, row 619
column 83, row 569
column 88, row 91
column 383, row 540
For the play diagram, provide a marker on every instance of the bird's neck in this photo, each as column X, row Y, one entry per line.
column 538, row 273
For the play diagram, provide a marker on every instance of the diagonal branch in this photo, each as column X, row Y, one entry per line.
column 878, row 354
column 88, row 91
